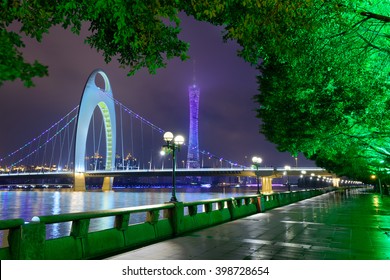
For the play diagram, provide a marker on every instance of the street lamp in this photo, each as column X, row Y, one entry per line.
column 379, row 182
column 172, row 145
column 296, row 160
column 286, row 168
column 303, row 173
column 256, row 163
column 379, row 179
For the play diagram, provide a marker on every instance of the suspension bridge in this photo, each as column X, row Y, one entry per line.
column 102, row 137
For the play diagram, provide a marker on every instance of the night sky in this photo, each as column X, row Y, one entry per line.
column 227, row 120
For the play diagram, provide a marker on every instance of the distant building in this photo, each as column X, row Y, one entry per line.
column 96, row 162
column 193, row 141
column 126, row 163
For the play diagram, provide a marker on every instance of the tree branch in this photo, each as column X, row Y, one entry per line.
column 369, row 15
column 373, row 46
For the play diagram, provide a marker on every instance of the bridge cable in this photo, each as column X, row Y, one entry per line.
column 160, row 130
column 62, row 144
column 93, row 136
column 129, row 111
column 44, row 151
column 37, row 154
column 98, row 147
column 142, row 145
column 71, row 143
column 123, row 156
column 151, row 151
column 37, row 137
column 53, row 148
column 132, row 139
column 43, row 144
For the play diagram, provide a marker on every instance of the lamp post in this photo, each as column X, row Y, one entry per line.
column 303, row 173
column 287, row 168
column 379, row 180
column 296, row 160
column 379, row 183
column 172, row 145
column 256, row 163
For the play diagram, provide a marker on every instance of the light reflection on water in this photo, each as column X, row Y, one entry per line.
column 27, row 204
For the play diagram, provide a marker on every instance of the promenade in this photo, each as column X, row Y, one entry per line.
column 345, row 225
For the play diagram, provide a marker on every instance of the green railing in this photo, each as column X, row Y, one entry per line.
column 27, row 240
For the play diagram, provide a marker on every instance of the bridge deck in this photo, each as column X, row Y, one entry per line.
column 343, row 225
column 263, row 171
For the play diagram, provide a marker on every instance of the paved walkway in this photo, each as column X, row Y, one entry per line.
column 337, row 226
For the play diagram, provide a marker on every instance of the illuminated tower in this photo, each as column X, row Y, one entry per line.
column 193, row 142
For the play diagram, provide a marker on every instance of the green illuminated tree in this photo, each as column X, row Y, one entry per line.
column 330, row 99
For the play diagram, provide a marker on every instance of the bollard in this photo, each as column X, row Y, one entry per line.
column 33, row 241
column 260, row 204
column 175, row 216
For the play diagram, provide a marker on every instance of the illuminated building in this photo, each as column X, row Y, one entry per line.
column 193, row 141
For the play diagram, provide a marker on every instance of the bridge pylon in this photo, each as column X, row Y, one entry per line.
column 79, row 181
column 266, row 183
column 336, row 182
column 93, row 97
column 107, row 184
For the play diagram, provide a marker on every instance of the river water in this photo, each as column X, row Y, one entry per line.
column 26, row 204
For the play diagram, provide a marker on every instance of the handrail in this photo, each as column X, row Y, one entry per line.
column 12, row 223
column 206, row 201
column 28, row 240
column 69, row 217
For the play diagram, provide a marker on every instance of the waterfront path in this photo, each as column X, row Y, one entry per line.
column 345, row 225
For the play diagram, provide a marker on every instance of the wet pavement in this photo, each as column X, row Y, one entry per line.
column 345, row 225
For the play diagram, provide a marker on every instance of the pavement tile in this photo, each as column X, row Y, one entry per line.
column 351, row 225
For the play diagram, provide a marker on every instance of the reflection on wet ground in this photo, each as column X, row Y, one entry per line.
column 346, row 225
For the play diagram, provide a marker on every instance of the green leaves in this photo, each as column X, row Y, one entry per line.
column 137, row 33
column 328, row 97
column 324, row 65
column 12, row 63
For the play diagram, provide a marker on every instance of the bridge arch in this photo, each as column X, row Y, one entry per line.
column 93, row 97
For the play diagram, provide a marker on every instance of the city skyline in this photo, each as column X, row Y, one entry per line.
column 228, row 124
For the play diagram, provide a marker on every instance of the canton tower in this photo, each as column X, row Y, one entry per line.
column 193, row 142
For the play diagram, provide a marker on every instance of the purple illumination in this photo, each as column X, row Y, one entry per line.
column 193, row 143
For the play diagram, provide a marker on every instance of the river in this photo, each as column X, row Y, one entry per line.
column 26, row 204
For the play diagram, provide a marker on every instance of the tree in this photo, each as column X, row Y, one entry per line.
column 324, row 64
column 335, row 89
column 324, row 76
column 137, row 33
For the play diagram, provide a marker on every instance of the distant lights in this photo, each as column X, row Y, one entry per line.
column 126, row 109
column 38, row 137
column 212, row 156
column 42, row 145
